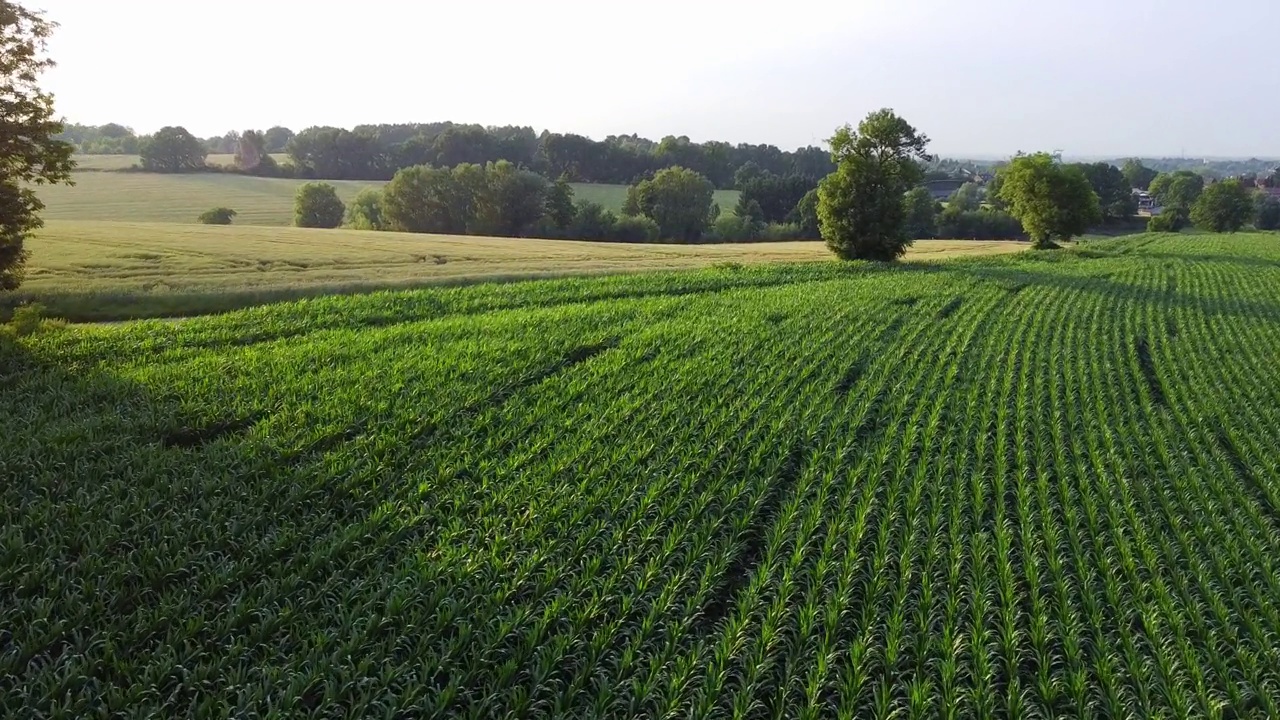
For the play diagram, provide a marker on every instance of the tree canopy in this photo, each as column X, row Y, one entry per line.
column 1138, row 175
column 317, row 205
column 861, row 208
column 173, row 150
column 1177, row 191
column 1114, row 190
column 677, row 199
column 1054, row 202
column 1225, row 206
column 30, row 153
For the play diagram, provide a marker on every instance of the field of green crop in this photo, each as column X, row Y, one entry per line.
column 1033, row 486
column 152, row 197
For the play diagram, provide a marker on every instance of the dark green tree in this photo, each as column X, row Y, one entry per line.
column 922, row 214
column 677, row 199
column 512, row 201
column 30, row 154
column 276, row 139
column 217, row 216
column 1138, row 175
column 1266, row 212
column 251, row 150
column 173, row 150
column 805, row 215
column 1177, row 191
column 317, row 205
column 1225, row 206
column 559, row 208
column 861, row 210
column 1115, row 193
column 968, row 198
column 365, row 211
column 1052, row 201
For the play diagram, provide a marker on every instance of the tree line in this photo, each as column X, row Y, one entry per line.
column 504, row 200
column 377, row 152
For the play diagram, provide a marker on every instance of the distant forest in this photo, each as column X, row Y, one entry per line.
column 377, row 152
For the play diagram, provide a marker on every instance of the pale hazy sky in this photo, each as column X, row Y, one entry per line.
column 1090, row 77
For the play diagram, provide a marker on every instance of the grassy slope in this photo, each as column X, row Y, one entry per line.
column 148, row 197
column 307, row 507
column 107, row 270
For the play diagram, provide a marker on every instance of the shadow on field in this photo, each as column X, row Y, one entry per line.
column 136, row 528
column 1018, row 277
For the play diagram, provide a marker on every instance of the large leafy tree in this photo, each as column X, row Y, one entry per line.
column 173, row 150
column 29, row 153
column 1138, row 175
column 1114, row 191
column 511, row 202
column 1177, row 191
column 1053, row 201
column 317, row 205
column 1225, row 206
column 922, row 214
column 1267, row 212
column 861, row 211
column 677, row 199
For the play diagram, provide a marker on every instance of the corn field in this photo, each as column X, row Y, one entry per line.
column 1029, row 487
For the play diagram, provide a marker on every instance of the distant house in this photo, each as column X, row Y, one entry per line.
column 943, row 189
column 1147, row 205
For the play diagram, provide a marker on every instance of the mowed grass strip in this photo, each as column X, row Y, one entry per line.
column 155, row 197
column 112, row 270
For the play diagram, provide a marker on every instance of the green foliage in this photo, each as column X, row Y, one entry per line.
column 1225, row 206
column 775, row 196
column 1138, row 175
column 1177, row 191
column 591, row 221
column 677, row 199
column 217, row 216
column 1113, row 188
column 736, row 228
column 251, row 150
column 805, row 216
column 509, row 201
column 559, row 209
column 365, row 211
column 1266, row 212
column 424, row 199
column 173, row 150
column 861, row 212
column 748, row 209
column 984, row 224
column 1167, row 222
column 30, row 153
column 1053, row 202
column 276, row 139
column 968, row 198
column 635, row 229
column 921, row 214
column 317, row 205
column 1017, row 487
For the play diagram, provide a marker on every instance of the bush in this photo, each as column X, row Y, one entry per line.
column 365, row 211
column 591, row 222
column 317, row 206
column 735, row 228
column 30, row 319
column 983, row 224
column 783, row 232
column 217, row 216
column 635, row 229
column 1167, row 222
column 1268, row 213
